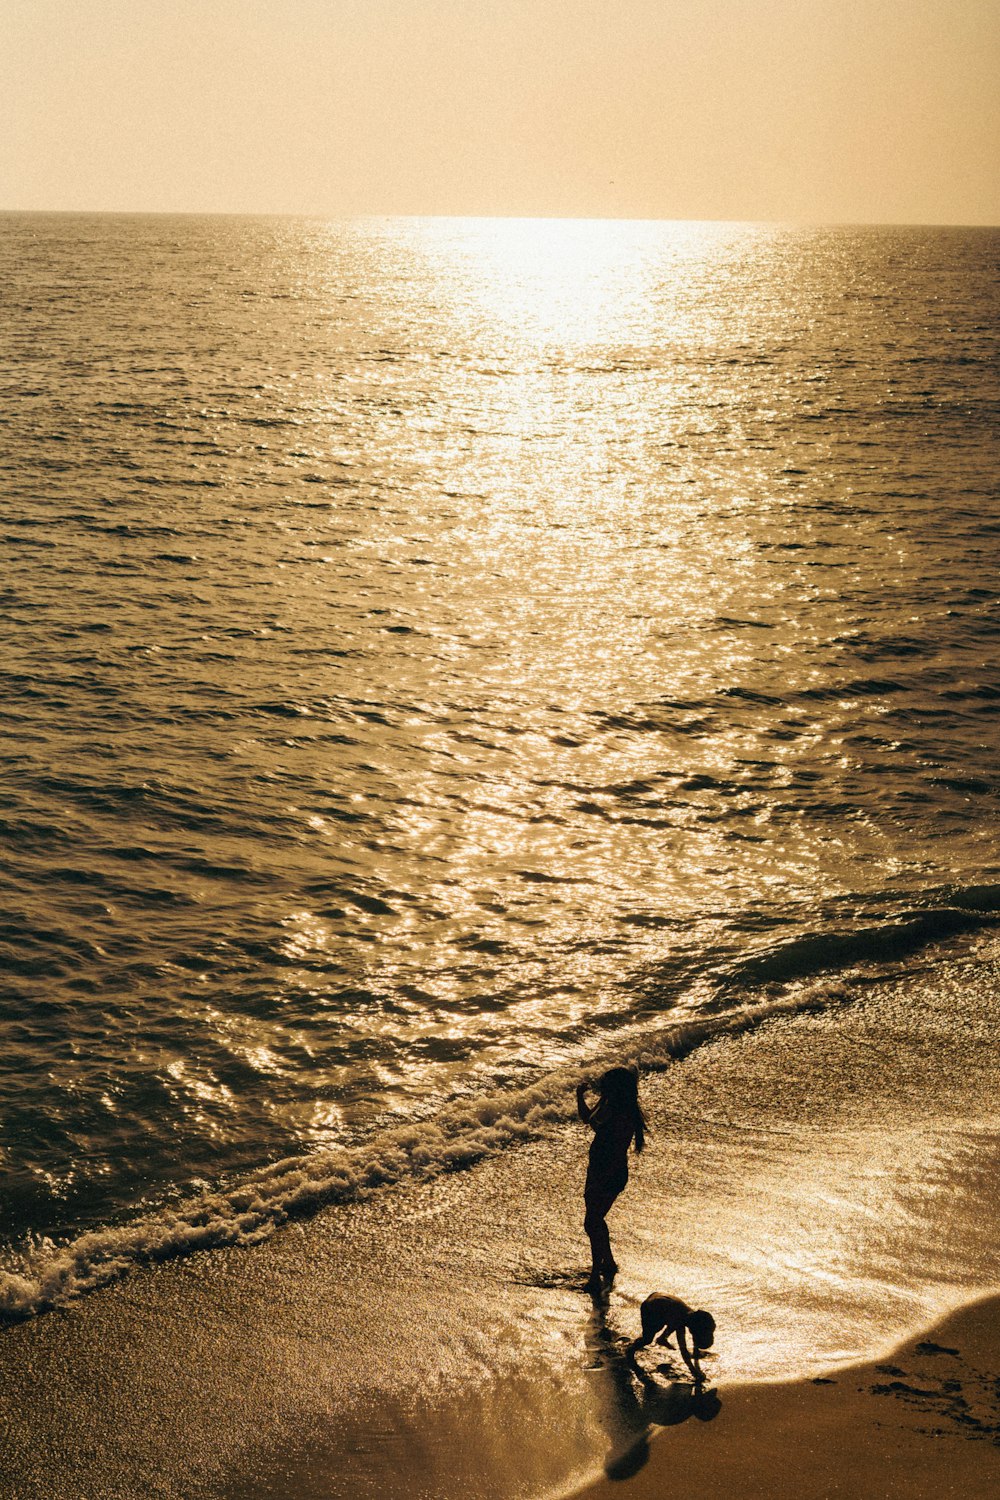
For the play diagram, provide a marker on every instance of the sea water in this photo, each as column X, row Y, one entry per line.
column 444, row 655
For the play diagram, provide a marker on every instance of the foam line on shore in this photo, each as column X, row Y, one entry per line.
column 49, row 1275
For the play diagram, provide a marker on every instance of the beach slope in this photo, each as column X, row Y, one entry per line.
column 825, row 1185
column 921, row 1424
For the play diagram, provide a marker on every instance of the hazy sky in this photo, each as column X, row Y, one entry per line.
column 820, row 109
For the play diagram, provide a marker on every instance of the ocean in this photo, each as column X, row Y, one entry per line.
column 442, row 657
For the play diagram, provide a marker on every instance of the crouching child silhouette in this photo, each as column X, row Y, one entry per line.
column 661, row 1316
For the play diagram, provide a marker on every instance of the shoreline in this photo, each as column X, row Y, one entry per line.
column 919, row 1423
column 434, row 1339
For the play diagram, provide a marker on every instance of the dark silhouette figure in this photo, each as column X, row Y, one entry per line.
column 626, row 1415
column 617, row 1122
column 661, row 1316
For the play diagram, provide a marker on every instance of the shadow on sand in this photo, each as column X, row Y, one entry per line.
column 630, row 1402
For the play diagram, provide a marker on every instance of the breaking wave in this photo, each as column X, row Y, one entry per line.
column 815, row 952
column 49, row 1275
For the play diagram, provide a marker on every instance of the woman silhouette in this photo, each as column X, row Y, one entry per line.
column 617, row 1121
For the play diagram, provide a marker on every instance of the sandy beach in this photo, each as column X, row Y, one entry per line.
column 435, row 1339
column 923, row 1422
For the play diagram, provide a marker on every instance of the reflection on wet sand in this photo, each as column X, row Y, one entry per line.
column 630, row 1402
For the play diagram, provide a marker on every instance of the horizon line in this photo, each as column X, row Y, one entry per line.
column 239, row 213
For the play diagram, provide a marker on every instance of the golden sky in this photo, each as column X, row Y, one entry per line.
column 836, row 110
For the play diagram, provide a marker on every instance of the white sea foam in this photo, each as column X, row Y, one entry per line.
column 461, row 1134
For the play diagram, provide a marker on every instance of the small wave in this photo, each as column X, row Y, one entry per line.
column 984, row 898
column 374, row 905
column 882, row 942
column 47, row 1275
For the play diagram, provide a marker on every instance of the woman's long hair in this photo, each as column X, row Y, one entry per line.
column 619, row 1090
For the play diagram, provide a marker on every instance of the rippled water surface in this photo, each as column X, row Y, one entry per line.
column 430, row 645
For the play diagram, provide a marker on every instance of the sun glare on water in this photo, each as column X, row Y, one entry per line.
column 566, row 284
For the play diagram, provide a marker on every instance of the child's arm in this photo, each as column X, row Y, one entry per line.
column 691, row 1362
column 583, row 1109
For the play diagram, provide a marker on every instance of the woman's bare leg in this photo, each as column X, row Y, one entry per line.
column 598, row 1206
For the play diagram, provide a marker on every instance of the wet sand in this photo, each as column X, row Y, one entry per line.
column 826, row 1186
column 921, row 1424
